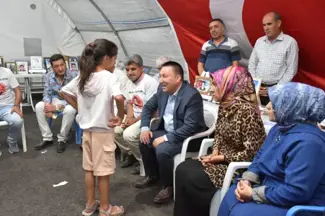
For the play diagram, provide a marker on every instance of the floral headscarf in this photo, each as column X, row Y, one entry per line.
column 234, row 84
column 297, row 102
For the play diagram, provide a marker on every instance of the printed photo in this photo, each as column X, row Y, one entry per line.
column 36, row 62
column 11, row 66
column 73, row 64
column 203, row 84
column 22, row 67
column 47, row 64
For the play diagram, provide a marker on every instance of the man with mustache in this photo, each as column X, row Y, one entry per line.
column 180, row 109
column 220, row 51
column 53, row 103
column 274, row 59
column 138, row 90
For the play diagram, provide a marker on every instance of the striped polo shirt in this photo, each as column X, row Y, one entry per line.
column 218, row 57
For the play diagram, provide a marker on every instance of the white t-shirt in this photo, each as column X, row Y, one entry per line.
column 95, row 105
column 122, row 78
column 140, row 92
column 8, row 82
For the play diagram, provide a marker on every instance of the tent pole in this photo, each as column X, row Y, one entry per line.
column 111, row 25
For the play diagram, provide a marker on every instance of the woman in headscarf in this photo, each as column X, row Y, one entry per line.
column 289, row 168
column 239, row 134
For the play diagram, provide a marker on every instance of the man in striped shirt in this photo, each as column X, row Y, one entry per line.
column 274, row 59
column 220, row 51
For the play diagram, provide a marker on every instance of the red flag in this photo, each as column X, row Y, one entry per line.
column 302, row 20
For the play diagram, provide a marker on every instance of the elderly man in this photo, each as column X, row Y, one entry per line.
column 180, row 109
column 138, row 90
column 159, row 62
column 274, row 59
column 218, row 52
column 10, row 99
column 53, row 103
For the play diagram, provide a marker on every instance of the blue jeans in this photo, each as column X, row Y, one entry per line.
column 15, row 123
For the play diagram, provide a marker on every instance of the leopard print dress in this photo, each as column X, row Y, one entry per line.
column 239, row 134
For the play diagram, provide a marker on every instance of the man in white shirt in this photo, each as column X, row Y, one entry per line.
column 138, row 90
column 159, row 62
column 274, row 59
column 10, row 99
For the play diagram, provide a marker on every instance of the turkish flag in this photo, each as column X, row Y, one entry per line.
column 301, row 19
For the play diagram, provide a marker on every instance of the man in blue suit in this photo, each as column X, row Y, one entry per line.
column 180, row 109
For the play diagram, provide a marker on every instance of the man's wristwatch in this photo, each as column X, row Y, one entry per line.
column 16, row 105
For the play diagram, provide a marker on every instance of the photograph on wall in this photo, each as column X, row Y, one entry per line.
column 1, row 62
column 203, row 84
column 47, row 64
column 36, row 62
column 73, row 64
column 22, row 67
column 11, row 66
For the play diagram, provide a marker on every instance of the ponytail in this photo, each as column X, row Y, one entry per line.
column 87, row 65
column 92, row 56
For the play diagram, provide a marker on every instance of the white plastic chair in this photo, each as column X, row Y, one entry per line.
column 23, row 133
column 210, row 118
column 232, row 168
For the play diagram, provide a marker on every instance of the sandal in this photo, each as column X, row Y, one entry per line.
column 112, row 211
column 90, row 210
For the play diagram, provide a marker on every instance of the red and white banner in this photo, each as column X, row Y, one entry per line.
column 302, row 19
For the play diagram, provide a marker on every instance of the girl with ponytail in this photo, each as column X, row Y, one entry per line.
column 92, row 93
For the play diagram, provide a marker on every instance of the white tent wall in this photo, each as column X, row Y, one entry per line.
column 20, row 21
column 90, row 36
column 65, row 26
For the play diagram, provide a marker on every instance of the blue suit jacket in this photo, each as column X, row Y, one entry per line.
column 188, row 112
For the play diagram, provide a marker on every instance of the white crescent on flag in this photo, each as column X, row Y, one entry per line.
column 243, row 20
column 231, row 13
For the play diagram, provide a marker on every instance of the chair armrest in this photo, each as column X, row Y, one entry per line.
column 205, row 145
column 152, row 121
column 294, row 210
column 195, row 136
column 232, row 167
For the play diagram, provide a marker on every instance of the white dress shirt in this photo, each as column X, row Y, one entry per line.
column 274, row 62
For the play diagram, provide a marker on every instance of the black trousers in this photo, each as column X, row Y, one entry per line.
column 160, row 161
column 265, row 99
column 194, row 190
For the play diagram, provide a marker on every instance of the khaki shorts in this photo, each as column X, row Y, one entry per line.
column 99, row 152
